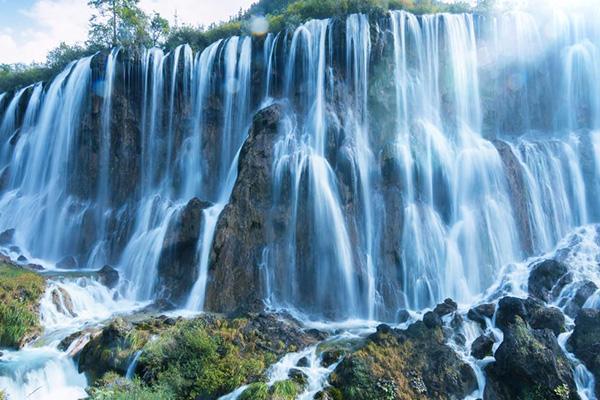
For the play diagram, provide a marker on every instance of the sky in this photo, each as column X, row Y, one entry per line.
column 31, row 28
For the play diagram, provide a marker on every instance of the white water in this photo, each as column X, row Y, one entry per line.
column 466, row 97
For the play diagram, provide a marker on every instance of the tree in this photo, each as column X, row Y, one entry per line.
column 117, row 23
column 159, row 29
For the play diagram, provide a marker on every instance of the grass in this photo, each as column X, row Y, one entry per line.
column 20, row 293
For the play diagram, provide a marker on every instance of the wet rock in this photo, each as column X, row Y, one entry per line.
column 108, row 276
column 529, row 365
column 68, row 262
column 509, row 309
column 331, row 356
column 482, row 347
column 544, row 277
column 432, row 320
column 303, row 362
column 411, row 364
column 177, row 265
column 7, row 237
column 34, row 267
column 62, row 301
column 585, row 342
column 481, row 312
column 241, row 235
column 445, row 308
column 548, row 318
column 22, row 259
column 402, row 316
column 110, row 350
column 457, row 321
column 584, row 291
column 298, row 376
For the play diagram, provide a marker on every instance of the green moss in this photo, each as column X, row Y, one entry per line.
column 256, row 391
column 114, row 387
column 200, row 360
column 20, row 294
column 284, row 390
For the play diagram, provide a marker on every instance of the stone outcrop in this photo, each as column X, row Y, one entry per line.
column 585, row 342
column 234, row 276
column 529, row 362
column 177, row 266
column 547, row 278
column 411, row 364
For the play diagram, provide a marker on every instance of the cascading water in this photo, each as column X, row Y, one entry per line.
column 419, row 155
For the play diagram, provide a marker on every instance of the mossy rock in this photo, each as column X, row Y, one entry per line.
column 410, row 364
column 282, row 390
column 113, row 386
column 206, row 357
column 20, row 294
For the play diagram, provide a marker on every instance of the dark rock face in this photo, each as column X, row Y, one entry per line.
column 432, row 320
column 481, row 312
column 518, row 193
column 410, row 364
column 234, row 278
column 447, row 307
column 585, row 342
column 482, row 347
column 68, row 262
column 545, row 278
column 108, row 276
column 177, row 266
column 548, row 318
column 108, row 351
column 7, row 236
column 584, row 291
column 509, row 309
column 529, row 364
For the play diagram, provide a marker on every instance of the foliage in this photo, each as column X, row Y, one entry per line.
column 114, row 387
column 20, row 293
column 159, row 29
column 117, row 23
column 196, row 360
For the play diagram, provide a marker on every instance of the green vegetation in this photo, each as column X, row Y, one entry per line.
column 189, row 359
column 20, row 293
column 123, row 23
column 115, row 387
column 200, row 360
column 282, row 390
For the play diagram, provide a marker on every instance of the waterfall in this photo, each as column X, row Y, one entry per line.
column 417, row 156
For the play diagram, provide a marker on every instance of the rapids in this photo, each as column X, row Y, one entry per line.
column 422, row 157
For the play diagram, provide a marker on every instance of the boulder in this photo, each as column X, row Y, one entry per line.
column 414, row 363
column 234, row 282
column 480, row 312
column 62, row 301
column 178, row 264
column 447, row 307
column 482, row 347
column 7, row 237
column 68, row 262
column 108, row 276
column 584, row 291
column 432, row 320
column 110, row 350
column 585, row 342
column 529, row 365
column 548, row 318
column 509, row 309
column 545, row 278
column 402, row 316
